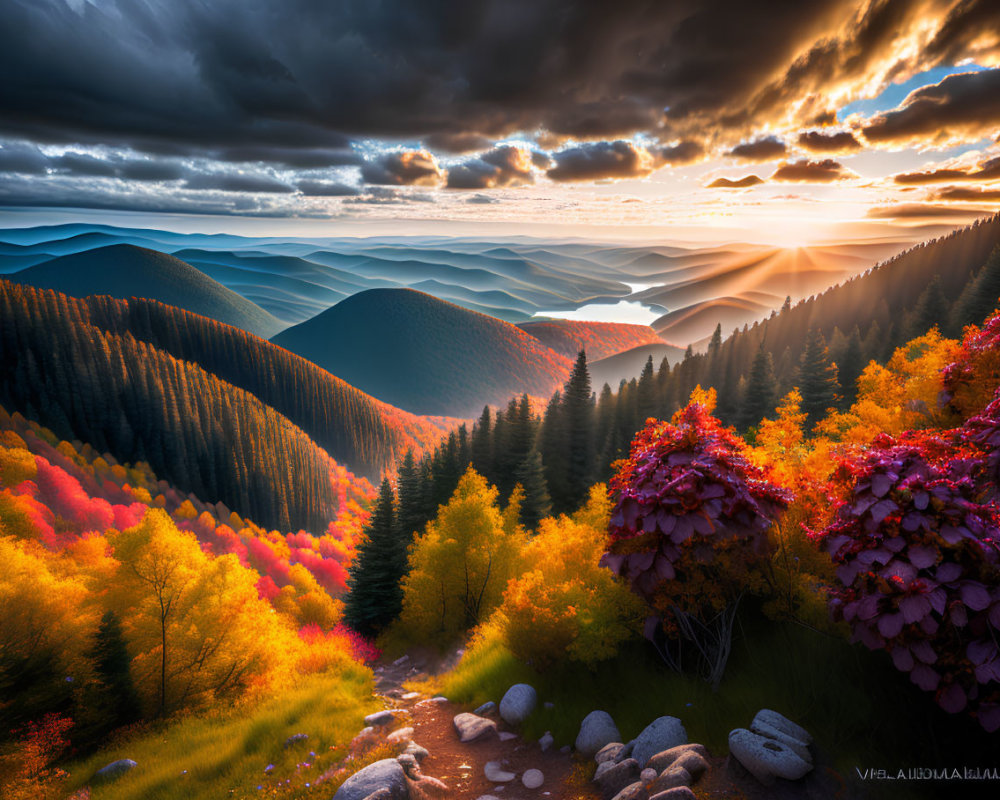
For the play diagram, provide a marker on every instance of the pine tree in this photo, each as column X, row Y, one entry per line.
column 536, row 504
column 761, row 390
column 980, row 297
column 482, row 443
column 931, row 309
column 646, row 398
column 553, row 446
column 578, row 412
column 850, row 366
column 817, row 378
column 410, row 516
column 374, row 596
column 117, row 696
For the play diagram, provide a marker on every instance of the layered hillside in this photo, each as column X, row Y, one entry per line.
column 213, row 409
column 600, row 339
column 613, row 369
column 424, row 354
column 124, row 270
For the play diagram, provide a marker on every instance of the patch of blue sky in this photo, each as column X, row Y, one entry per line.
column 896, row 93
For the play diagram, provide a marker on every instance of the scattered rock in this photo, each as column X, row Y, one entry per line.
column 295, row 738
column 765, row 758
column 426, row 786
column 506, row 736
column 471, row 727
column 596, row 730
column 401, row 660
column 415, row 750
column 609, row 752
column 670, row 779
column 486, row 797
column 495, row 773
column 611, row 778
column 380, row 718
column 634, row 791
column 679, row 793
column 532, row 778
column 409, row 764
column 647, row 776
column 800, row 748
column 565, row 749
column 661, row 761
column 115, row 770
column 517, row 705
column 661, row 734
column 783, row 724
column 694, row 762
column 410, row 696
column 546, row 741
column 400, row 735
column 438, row 699
column 486, row 708
column 386, row 774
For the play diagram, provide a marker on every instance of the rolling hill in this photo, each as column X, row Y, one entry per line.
column 425, row 355
column 125, row 270
column 613, row 369
column 599, row 339
column 698, row 320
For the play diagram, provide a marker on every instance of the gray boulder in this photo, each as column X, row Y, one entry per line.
column 670, row 779
column 495, row 773
column 766, row 759
column 486, row 708
column 532, row 778
column 517, row 705
column 609, row 752
column 596, row 730
column 694, row 762
column 634, row 791
column 115, row 770
column 661, row 734
column 415, row 750
column 380, row 718
column 611, row 778
column 783, row 724
column 386, row 774
column 797, row 746
column 471, row 727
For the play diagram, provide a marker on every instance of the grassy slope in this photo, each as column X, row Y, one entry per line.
column 224, row 753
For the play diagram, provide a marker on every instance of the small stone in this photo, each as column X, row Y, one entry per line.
column 495, row 773
column 596, row 730
column 546, row 741
column 410, row 696
column 609, row 752
column 670, row 779
column 401, row 660
column 783, row 724
column 661, row 734
column 115, row 770
column 409, row 764
column 506, row 736
column 400, row 735
column 518, row 703
column 695, row 763
column 661, row 761
column 438, row 699
column 380, row 718
column 471, row 727
column 611, row 778
column 647, row 776
column 677, row 793
column 295, row 738
column 487, row 797
column 765, row 758
column 427, row 786
column 565, row 749
column 532, row 778
column 415, row 750
column 486, row 708
column 386, row 774
column 634, row 791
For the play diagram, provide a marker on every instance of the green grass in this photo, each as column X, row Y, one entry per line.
column 861, row 711
column 224, row 753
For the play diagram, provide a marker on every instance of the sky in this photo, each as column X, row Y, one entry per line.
column 784, row 121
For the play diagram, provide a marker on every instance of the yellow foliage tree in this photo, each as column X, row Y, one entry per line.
column 461, row 564
column 566, row 606
column 195, row 624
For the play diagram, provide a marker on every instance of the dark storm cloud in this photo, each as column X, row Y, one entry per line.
column 295, row 158
column 501, row 166
column 988, row 170
column 807, row 171
column 22, row 158
column 406, row 168
column 313, row 188
column 741, row 183
column 682, row 153
column 765, row 149
column 966, row 105
column 262, row 184
column 822, row 142
column 968, row 194
column 459, row 143
column 593, row 161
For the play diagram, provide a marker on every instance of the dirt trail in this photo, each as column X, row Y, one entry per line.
column 461, row 765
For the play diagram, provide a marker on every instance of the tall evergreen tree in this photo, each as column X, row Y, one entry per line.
column 980, row 296
column 410, row 516
column 482, row 443
column 555, row 456
column 578, row 412
column 931, row 310
column 850, row 366
column 761, row 390
column 374, row 597
column 536, row 504
column 817, row 378
column 646, row 397
column 118, row 699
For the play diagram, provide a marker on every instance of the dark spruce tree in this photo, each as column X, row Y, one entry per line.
column 536, row 504
column 850, row 365
column 553, row 446
column 578, row 414
column 646, row 399
column 410, row 517
column 980, row 296
column 374, row 597
column 117, row 699
column 761, row 390
column 931, row 310
column 817, row 378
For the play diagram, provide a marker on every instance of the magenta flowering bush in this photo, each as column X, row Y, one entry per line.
column 919, row 567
